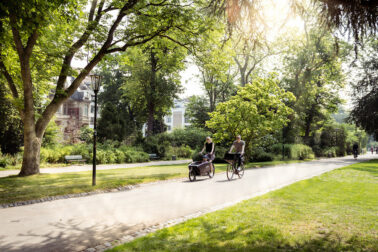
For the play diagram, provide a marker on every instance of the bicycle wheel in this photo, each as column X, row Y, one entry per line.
column 230, row 171
column 241, row 171
column 192, row 175
column 211, row 173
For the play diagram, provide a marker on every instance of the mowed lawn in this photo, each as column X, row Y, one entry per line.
column 14, row 189
column 337, row 211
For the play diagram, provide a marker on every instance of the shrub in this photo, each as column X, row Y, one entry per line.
column 86, row 134
column 294, row 151
column 259, row 155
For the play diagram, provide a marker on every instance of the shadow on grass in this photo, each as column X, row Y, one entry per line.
column 369, row 166
column 207, row 237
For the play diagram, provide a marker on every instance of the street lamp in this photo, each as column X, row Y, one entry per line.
column 95, row 82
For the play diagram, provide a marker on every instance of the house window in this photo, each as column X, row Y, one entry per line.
column 86, row 110
column 187, row 120
column 92, row 109
column 169, row 119
column 169, row 128
column 65, row 109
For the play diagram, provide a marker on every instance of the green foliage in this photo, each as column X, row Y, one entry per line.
column 198, row 110
column 312, row 72
column 256, row 111
column 183, row 151
column 86, row 134
column 52, row 134
column 159, row 144
column 294, row 151
column 108, row 153
column 365, row 110
column 11, row 133
column 259, row 155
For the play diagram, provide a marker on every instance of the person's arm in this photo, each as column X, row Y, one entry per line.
column 232, row 147
column 242, row 152
column 203, row 149
column 212, row 149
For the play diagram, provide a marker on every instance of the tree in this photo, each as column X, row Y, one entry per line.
column 154, row 77
column 214, row 60
column 258, row 109
column 53, row 32
column 365, row 110
column 121, row 114
column 312, row 72
column 198, row 110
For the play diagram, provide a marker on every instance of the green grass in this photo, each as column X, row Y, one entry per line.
column 13, row 188
column 42, row 165
column 337, row 211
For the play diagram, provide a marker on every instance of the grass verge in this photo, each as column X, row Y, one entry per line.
column 336, row 211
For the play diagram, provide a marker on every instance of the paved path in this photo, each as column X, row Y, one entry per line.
column 80, row 168
column 78, row 223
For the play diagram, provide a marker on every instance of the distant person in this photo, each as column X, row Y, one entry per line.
column 372, row 150
column 355, row 150
column 239, row 146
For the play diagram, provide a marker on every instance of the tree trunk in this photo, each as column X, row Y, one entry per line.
column 151, row 99
column 151, row 120
column 31, row 158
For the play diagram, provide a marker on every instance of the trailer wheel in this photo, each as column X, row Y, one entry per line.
column 192, row 175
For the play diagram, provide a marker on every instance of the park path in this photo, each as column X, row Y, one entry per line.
column 78, row 223
column 88, row 167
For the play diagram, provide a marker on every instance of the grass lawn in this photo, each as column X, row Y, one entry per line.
column 337, row 211
column 13, row 188
column 42, row 165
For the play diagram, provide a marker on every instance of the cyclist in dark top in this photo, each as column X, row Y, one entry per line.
column 355, row 149
column 209, row 148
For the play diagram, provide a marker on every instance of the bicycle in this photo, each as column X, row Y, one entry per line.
column 232, row 167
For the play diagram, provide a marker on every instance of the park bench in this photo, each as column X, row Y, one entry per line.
column 74, row 158
column 153, row 156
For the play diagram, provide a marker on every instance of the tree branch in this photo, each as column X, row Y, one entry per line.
column 92, row 24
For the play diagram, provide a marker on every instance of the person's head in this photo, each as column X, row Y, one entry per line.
column 238, row 138
column 208, row 139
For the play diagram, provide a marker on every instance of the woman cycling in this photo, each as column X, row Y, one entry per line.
column 209, row 148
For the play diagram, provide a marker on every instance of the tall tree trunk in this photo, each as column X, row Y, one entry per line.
column 151, row 99
column 31, row 158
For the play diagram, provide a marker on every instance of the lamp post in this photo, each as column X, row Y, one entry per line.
column 95, row 81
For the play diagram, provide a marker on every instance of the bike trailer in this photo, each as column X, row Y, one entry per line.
column 200, row 168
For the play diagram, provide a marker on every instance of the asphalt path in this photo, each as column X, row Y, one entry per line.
column 78, row 223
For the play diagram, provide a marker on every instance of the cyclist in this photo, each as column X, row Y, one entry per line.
column 209, row 148
column 239, row 146
column 355, row 150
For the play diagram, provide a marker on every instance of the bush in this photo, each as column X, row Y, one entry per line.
column 294, row 151
column 161, row 144
column 259, row 155
column 86, row 134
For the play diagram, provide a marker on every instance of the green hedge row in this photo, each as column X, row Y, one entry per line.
column 105, row 154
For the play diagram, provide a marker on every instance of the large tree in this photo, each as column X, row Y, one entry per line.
column 365, row 110
column 53, row 32
column 312, row 72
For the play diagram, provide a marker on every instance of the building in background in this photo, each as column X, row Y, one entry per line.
column 77, row 111
column 176, row 119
